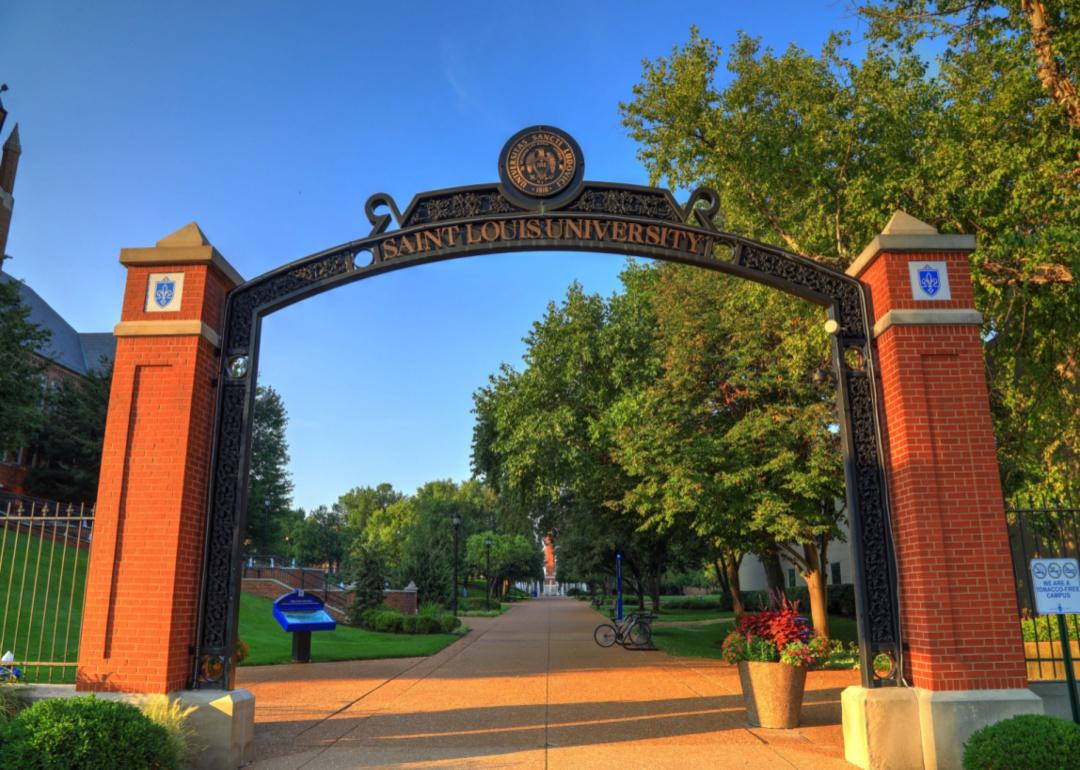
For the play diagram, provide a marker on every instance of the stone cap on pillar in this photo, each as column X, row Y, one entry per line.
column 186, row 246
column 906, row 233
column 176, row 288
column 917, row 276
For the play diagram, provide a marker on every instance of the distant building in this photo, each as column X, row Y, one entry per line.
column 68, row 353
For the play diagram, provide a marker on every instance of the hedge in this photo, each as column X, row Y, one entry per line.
column 74, row 733
column 1025, row 742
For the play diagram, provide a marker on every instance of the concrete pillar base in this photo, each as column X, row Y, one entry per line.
column 881, row 728
column 909, row 728
column 223, row 722
column 949, row 717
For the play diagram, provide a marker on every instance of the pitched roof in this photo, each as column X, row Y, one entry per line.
column 78, row 352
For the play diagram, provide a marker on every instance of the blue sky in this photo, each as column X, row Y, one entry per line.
column 270, row 123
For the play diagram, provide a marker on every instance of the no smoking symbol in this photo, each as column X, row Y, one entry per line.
column 1069, row 570
column 1054, row 571
column 1039, row 571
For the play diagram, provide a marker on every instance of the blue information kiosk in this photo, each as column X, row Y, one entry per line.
column 300, row 614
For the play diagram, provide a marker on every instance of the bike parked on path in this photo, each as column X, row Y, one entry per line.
column 635, row 630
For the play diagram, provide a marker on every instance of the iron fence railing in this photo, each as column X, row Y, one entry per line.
column 44, row 552
column 1040, row 529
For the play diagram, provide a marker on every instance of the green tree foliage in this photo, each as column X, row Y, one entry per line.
column 815, row 152
column 269, row 503
column 360, row 504
column 512, row 558
column 540, row 439
column 736, row 437
column 21, row 371
column 71, row 438
column 318, row 538
column 367, row 572
column 428, row 541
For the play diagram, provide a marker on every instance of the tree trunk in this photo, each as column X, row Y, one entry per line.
column 731, row 568
column 774, row 573
column 654, row 591
column 1054, row 78
column 815, row 585
column 721, row 575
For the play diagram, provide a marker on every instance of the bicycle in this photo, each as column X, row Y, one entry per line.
column 634, row 630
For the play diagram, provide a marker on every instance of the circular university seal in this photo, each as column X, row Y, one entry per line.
column 540, row 162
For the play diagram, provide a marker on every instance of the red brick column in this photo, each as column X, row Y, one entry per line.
column 957, row 598
column 146, row 560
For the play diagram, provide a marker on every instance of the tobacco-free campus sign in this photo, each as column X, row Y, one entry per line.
column 1056, row 584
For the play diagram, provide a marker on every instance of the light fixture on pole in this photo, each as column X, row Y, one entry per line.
column 487, row 571
column 455, row 519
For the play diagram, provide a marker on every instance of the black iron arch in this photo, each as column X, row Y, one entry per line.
column 579, row 216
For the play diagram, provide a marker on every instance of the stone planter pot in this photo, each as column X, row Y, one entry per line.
column 773, row 693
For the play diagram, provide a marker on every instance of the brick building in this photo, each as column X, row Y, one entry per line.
column 67, row 353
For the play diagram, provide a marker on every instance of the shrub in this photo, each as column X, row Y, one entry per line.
column 1045, row 628
column 367, row 571
column 448, row 623
column 408, row 624
column 388, row 621
column 430, row 609
column 171, row 714
column 243, row 649
column 1025, row 742
column 428, row 624
column 13, row 699
column 86, row 732
column 720, row 603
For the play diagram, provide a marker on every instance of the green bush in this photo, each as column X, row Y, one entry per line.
column 1025, row 742
column 428, row 624
column 408, row 624
column 74, row 733
column 720, row 603
column 1045, row 628
column 388, row 621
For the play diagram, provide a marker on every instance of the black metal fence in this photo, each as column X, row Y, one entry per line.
column 1043, row 530
column 44, row 552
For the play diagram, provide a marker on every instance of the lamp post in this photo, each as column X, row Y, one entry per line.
column 455, row 519
column 487, row 571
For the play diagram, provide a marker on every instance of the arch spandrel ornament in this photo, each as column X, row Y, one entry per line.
column 580, row 215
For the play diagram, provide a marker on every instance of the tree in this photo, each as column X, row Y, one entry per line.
column 541, row 441
column 269, row 503
column 71, row 438
column 21, row 370
column 735, row 440
column 512, row 558
column 359, row 504
column 366, row 571
column 319, row 538
column 814, row 152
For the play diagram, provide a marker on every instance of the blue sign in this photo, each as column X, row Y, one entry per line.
column 164, row 292
column 929, row 280
column 298, row 611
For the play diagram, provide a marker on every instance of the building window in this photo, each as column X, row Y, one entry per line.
column 791, row 578
column 836, row 573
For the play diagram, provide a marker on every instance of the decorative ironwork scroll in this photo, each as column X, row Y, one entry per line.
column 543, row 203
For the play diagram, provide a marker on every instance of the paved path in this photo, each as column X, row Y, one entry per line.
column 531, row 690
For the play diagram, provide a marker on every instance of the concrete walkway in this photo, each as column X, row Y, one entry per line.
column 530, row 689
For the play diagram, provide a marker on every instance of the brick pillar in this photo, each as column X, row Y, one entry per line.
column 963, row 651
column 145, row 564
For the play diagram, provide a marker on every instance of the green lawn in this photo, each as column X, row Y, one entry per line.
column 704, row 641
column 269, row 644
column 41, row 596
